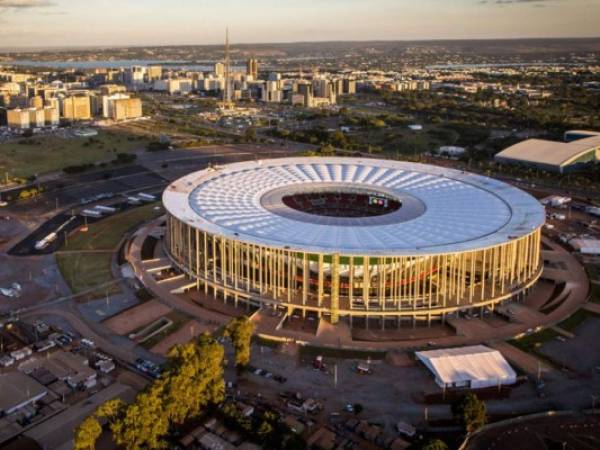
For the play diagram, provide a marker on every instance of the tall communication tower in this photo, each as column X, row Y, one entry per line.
column 227, row 104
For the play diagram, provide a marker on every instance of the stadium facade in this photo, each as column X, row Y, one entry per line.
column 354, row 238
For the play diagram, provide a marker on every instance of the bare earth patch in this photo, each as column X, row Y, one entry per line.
column 136, row 317
column 189, row 330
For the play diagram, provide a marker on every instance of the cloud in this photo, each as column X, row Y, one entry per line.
column 515, row 2
column 25, row 4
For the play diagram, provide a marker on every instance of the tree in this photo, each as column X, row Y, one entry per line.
column 240, row 331
column 469, row 412
column 250, row 134
column 111, row 410
column 87, row 434
column 193, row 378
column 327, row 149
column 358, row 408
column 434, row 444
column 144, row 422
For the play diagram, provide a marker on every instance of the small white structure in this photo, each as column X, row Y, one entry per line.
column 473, row 367
column 451, row 150
column 586, row 246
column 555, row 201
column 593, row 210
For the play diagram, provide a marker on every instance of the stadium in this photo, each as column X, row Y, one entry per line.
column 353, row 239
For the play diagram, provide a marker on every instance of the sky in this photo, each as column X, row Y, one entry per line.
column 45, row 23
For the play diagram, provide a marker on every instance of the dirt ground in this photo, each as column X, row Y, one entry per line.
column 39, row 279
column 136, row 317
column 188, row 331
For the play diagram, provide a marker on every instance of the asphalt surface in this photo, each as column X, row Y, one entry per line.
column 78, row 190
column 26, row 247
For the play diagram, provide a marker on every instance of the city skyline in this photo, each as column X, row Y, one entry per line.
column 62, row 23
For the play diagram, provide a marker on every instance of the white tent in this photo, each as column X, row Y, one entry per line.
column 474, row 367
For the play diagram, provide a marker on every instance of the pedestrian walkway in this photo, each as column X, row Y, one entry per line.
column 472, row 331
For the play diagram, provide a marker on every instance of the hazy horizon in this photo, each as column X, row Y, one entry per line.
column 44, row 24
column 249, row 43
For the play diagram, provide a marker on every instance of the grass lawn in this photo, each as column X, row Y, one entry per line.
column 576, row 319
column 593, row 271
column 595, row 293
column 41, row 154
column 107, row 233
column 83, row 271
column 532, row 342
column 397, row 140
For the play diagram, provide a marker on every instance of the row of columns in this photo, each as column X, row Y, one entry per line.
column 352, row 285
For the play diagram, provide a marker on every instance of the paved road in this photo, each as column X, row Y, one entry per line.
column 120, row 347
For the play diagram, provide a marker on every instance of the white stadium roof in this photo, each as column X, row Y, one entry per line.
column 443, row 210
column 477, row 366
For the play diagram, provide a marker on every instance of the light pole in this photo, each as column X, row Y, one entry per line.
column 335, row 376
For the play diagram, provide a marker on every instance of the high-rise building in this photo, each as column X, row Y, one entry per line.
column 349, row 86
column 219, row 70
column 77, row 108
column 126, row 108
column 51, row 116
column 109, row 89
column 22, row 119
column 36, row 117
column 135, row 75
column 17, row 119
column 271, row 92
column 36, row 102
column 108, row 103
column 153, row 73
column 304, row 87
column 252, row 68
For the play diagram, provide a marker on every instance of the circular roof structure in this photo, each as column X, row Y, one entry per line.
column 442, row 210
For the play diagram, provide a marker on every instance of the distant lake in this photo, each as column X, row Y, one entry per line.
column 498, row 65
column 114, row 64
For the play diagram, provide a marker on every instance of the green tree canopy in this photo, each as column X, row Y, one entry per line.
column 240, row 331
column 434, row 444
column 111, row 410
column 87, row 434
column 192, row 379
column 469, row 412
column 144, row 422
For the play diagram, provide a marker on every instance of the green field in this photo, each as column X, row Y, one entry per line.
column 576, row 319
column 84, row 271
column 107, row 233
column 532, row 342
column 41, row 154
column 86, row 260
column 595, row 293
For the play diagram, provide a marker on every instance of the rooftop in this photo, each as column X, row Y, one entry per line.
column 18, row 389
column 461, row 364
column 443, row 210
column 553, row 153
